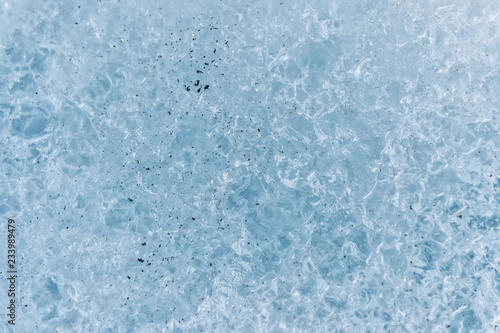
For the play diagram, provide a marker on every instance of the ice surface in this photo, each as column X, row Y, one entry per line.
column 252, row 166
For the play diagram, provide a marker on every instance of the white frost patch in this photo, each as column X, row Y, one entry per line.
column 291, row 183
column 443, row 7
column 357, row 71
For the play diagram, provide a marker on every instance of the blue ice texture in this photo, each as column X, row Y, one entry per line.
column 252, row 166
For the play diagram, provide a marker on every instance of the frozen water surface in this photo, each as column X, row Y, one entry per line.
column 252, row 166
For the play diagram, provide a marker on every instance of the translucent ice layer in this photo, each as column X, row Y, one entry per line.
column 252, row 166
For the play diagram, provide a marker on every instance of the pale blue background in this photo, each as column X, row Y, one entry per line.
column 339, row 174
